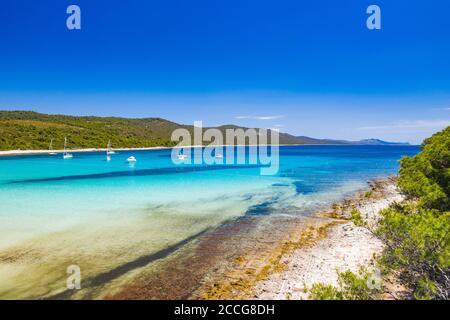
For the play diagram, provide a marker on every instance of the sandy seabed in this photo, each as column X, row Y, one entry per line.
column 271, row 257
column 253, row 257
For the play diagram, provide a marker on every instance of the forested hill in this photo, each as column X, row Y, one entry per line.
column 31, row 130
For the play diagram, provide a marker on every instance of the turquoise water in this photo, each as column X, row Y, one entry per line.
column 71, row 210
column 48, row 193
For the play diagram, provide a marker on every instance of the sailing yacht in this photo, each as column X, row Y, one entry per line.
column 66, row 155
column 108, row 148
column 217, row 155
column 51, row 148
column 182, row 156
column 109, row 151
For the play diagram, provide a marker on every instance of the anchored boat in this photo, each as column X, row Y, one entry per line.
column 66, row 155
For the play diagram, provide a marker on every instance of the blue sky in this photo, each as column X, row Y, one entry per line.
column 306, row 67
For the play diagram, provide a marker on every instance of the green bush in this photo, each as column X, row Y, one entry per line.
column 426, row 176
column 368, row 194
column 357, row 218
column 351, row 286
column 417, row 233
column 418, row 243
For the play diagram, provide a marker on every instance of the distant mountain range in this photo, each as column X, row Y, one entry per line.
column 308, row 140
column 31, row 130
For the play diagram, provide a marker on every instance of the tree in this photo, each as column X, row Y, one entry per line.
column 417, row 232
column 426, row 176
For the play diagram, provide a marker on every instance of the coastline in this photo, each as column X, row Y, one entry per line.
column 345, row 247
column 252, row 257
column 4, row 153
column 262, row 257
column 228, row 261
column 308, row 252
column 266, row 257
column 37, row 152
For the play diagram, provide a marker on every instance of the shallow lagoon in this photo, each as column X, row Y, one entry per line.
column 101, row 215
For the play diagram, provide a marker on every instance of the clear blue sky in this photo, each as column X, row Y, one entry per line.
column 307, row 67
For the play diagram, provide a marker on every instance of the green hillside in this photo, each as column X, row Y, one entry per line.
column 31, row 130
column 27, row 130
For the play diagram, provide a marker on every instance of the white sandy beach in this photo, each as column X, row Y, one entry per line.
column 34, row 152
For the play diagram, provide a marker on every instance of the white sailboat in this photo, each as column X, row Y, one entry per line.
column 131, row 159
column 108, row 151
column 218, row 155
column 51, row 148
column 66, row 155
column 108, row 148
column 182, row 156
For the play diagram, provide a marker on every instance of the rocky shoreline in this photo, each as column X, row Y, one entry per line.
column 262, row 257
column 310, row 252
column 346, row 247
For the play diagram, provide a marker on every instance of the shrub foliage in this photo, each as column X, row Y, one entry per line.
column 417, row 232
